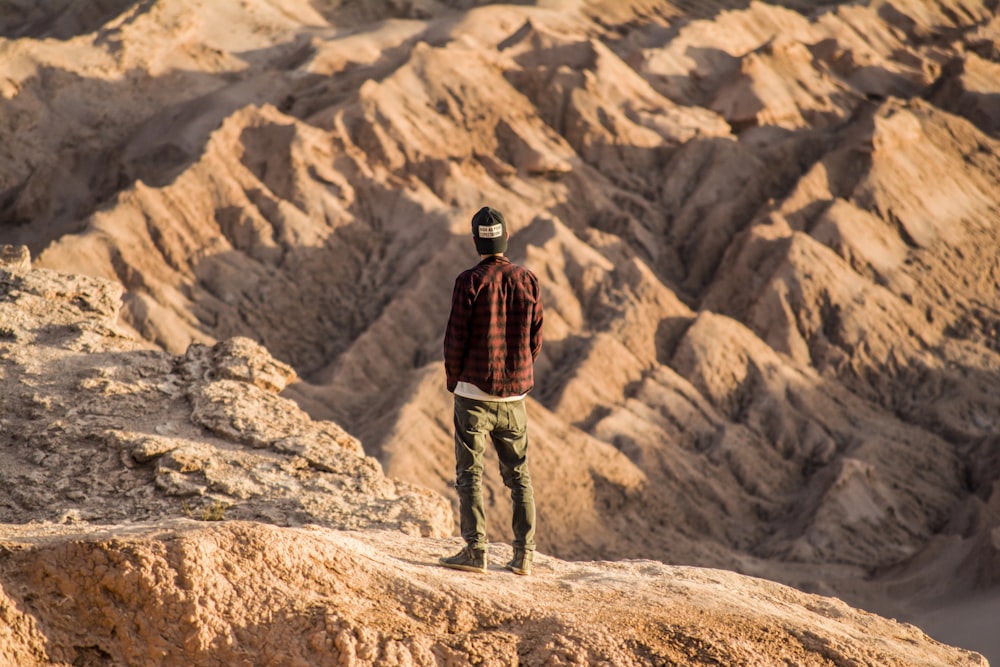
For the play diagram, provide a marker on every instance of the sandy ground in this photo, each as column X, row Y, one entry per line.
column 235, row 592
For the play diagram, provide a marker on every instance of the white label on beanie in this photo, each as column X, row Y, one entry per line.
column 490, row 231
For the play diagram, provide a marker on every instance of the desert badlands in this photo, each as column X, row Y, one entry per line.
column 766, row 424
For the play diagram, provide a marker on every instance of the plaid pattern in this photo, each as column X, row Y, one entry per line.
column 494, row 332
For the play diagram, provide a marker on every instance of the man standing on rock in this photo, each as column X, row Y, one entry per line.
column 493, row 337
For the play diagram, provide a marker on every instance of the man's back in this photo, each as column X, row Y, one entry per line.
column 494, row 333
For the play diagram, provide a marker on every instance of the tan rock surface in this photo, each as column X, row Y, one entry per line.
column 99, row 428
column 107, row 444
column 183, row 593
column 766, row 233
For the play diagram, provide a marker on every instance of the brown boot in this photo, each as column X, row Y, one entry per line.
column 521, row 562
column 468, row 559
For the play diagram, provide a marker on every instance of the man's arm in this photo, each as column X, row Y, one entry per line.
column 456, row 335
column 536, row 324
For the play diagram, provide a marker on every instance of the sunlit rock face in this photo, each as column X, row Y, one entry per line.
column 766, row 235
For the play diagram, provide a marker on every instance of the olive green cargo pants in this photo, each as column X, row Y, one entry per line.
column 505, row 424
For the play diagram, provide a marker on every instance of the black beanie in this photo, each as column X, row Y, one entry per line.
column 490, row 231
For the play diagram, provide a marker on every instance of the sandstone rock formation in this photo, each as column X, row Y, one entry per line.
column 100, row 428
column 296, row 549
column 182, row 593
column 766, row 233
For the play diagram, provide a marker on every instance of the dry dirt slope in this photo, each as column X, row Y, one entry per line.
column 107, row 445
column 768, row 242
column 177, row 593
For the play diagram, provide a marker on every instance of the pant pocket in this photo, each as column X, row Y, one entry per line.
column 517, row 416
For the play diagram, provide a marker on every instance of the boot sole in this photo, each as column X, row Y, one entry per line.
column 464, row 568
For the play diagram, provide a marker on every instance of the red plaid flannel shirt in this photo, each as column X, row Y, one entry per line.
column 494, row 332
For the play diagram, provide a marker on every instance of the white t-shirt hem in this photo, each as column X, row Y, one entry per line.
column 469, row 390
